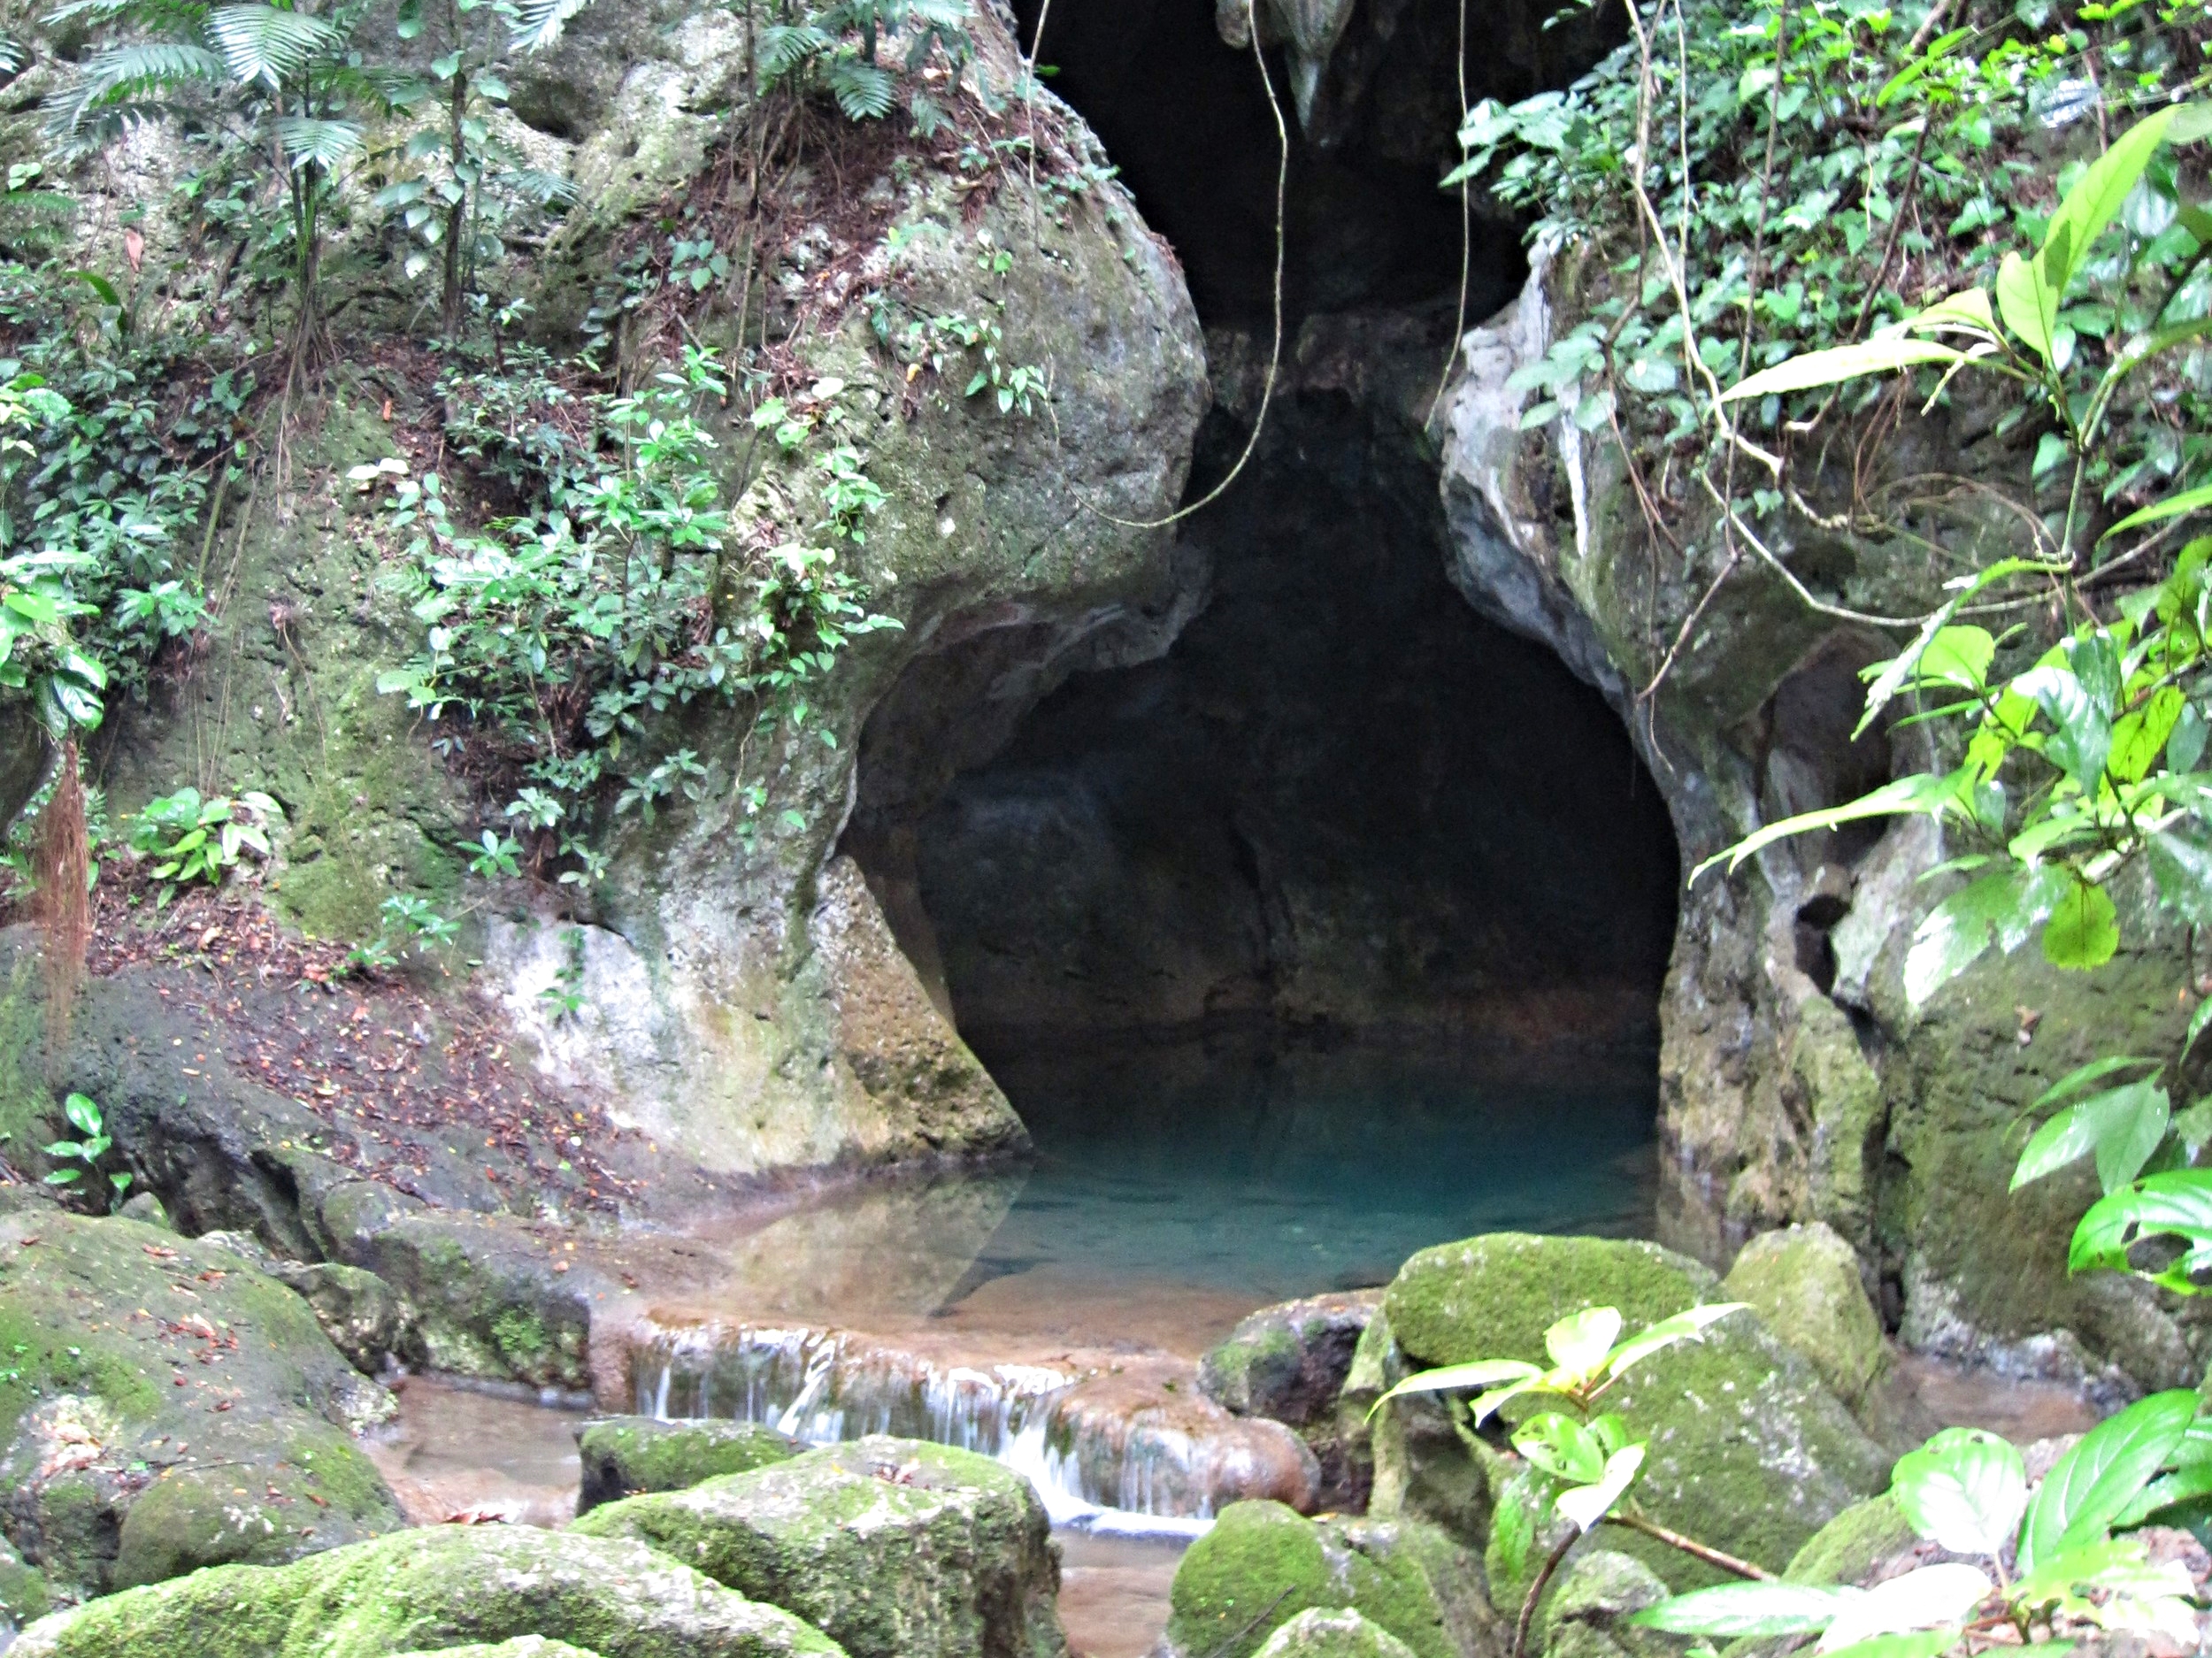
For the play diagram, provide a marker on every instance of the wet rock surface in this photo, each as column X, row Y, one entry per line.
column 1288, row 1362
column 432, row 1588
column 896, row 1547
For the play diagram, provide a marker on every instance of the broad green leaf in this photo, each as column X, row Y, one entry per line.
column 2139, row 738
column 1580, row 1341
column 2026, row 301
column 2171, row 507
column 2057, row 1576
column 1586, row 1505
column 1813, row 369
column 1959, row 655
column 2192, row 1484
column 2089, row 206
column 1925, row 1599
column 2084, row 929
column 1482, row 1373
column 1923, row 793
column 1891, row 677
column 2122, row 1125
column 1560, row 1445
column 2176, row 1205
column 1964, row 1489
column 1920, row 1644
column 82, row 1113
column 2002, row 908
column 2096, row 1071
column 1684, row 1326
column 2093, row 1483
column 1735, row 1609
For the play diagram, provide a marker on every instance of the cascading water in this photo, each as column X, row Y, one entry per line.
column 1097, row 1463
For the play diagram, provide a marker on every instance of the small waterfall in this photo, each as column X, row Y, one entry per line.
column 1095, row 1462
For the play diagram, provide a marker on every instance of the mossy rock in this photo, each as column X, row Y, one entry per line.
column 1803, row 1282
column 629, row 1456
column 433, row 1589
column 1262, row 1564
column 1853, row 1543
column 1340, row 1634
column 1748, row 1450
column 1289, row 1362
column 23, row 1593
column 166, row 1407
column 896, row 1547
column 521, row 1647
column 1586, row 1614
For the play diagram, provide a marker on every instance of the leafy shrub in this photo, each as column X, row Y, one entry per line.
column 81, row 1158
column 188, row 839
column 571, row 635
column 837, row 48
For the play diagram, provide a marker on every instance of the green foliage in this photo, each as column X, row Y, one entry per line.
column 1966, row 1492
column 188, row 839
column 574, row 635
column 456, row 186
column 290, row 75
column 836, row 48
column 81, row 1158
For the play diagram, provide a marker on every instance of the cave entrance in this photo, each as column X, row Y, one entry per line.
column 1334, row 930
column 1307, row 918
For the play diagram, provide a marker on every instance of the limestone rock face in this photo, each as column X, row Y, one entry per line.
column 167, row 1407
column 429, row 1590
column 1747, row 1449
column 1797, row 1083
column 1262, row 1565
column 896, row 1547
column 1343, row 1634
column 627, row 1456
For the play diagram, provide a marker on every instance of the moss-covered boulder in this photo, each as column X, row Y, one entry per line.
column 430, row 1590
column 365, row 1319
column 1587, row 1613
column 1748, row 1450
column 896, row 1547
column 1853, row 1543
column 23, row 1595
column 166, row 1407
column 521, row 1647
column 627, row 1456
column 1340, row 1634
column 1803, row 1282
column 1262, row 1564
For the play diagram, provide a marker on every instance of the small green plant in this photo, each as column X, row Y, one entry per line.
column 188, row 839
column 81, row 1158
column 563, row 998
column 2055, row 1570
column 1585, row 1464
column 407, row 925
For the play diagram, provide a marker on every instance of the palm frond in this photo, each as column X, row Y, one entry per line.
column 538, row 23
column 864, row 91
column 262, row 44
column 123, row 76
column 937, row 14
column 188, row 14
column 311, row 142
column 536, row 185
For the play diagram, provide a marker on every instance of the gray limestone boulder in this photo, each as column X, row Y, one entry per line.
column 1340, row 1634
column 897, row 1549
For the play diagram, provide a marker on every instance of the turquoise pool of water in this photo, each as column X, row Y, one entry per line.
column 1279, row 1173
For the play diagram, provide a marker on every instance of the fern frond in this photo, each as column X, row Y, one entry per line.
column 311, row 142
column 864, row 91
column 937, row 14
column 538, row 23
column 536, row 185
column 783, row 47
column 262, row 44
column 170, row 14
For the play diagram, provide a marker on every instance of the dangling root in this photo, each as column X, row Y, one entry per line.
column 65, row 899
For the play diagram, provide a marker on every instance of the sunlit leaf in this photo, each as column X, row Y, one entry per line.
column 1965, row 1489
column 2104, row 1472
column 2084, row 929
column 1580, row 1341
column 1586, row 1505
column 1932, row 1596
column 1736, row 1609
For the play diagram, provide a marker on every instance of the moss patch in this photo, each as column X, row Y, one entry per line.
column 629, row 1456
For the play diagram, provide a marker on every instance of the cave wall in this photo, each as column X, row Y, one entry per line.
column 1797, row 1082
